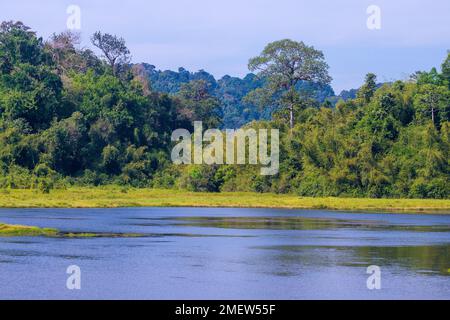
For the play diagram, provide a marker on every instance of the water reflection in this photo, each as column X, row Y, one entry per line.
column 425, row 259
column 298, row 223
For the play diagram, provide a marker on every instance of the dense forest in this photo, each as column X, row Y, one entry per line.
column 71, row 117
column 232, row 91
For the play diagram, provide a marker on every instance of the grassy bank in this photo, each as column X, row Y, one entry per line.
column 105, row 197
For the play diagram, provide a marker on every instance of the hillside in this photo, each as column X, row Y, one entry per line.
column 231, row 92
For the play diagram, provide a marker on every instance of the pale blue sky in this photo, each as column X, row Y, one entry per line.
column 220, row 36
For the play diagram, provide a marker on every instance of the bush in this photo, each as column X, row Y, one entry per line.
column 16, row 178
column 438, row 188
column 200, row 178
column 313, row 184
column 166, row 178
column 261, row 184
column 42, row 170
column 45, row 185
column 92, row 178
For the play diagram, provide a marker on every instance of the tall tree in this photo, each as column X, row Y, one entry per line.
column 284, row 64
column 30, row 89
column 434, row 102
column 365, row 93
column 65, row 51
column 198, row 103
column 446, row 69
column 113, row 48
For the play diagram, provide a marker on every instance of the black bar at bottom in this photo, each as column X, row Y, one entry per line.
column 226, row 309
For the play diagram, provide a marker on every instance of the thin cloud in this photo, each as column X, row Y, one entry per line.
column 220, row 36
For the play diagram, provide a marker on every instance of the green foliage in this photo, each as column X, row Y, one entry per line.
column 44, row 186
column 284, row 64
column 29, row 88
column 232, row 92
column 446, row 70
column 432, row 102
column 200, row 178
column 366, row 92
column 114, row 50
column 69, row 118
column 199, row 104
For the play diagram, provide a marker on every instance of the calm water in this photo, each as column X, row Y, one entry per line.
column 192, row 253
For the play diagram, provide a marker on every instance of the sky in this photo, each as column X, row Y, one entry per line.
column 220, row 36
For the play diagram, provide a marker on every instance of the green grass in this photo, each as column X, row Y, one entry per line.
column 114, row 196
column 100, row 235
column 8, row 230
column 15, row 230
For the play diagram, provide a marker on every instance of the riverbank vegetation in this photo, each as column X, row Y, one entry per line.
column 112, row 196
column 14, row 230
column 72, row 119
column 8, row 230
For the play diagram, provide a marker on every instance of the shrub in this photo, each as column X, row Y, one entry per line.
column 45, row 185
column 200, row 178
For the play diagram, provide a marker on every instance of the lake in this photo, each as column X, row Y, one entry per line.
column 205, row 253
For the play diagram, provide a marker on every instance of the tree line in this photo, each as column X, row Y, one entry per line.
column 71, row 117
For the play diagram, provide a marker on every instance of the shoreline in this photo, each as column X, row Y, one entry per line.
column 117, row 197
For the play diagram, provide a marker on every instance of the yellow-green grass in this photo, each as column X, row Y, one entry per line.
column 8, row 230
column 15, row 230
column 100, row 235
column 114, row 196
